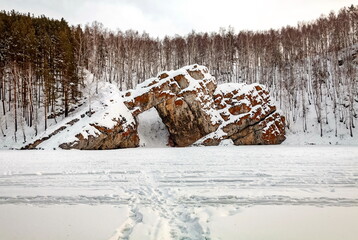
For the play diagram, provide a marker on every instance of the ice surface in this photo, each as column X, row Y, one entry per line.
column 59, row 222
column 181, row 193
column 282, row 222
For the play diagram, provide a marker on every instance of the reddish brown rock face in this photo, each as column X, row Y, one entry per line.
column 184, row 101
column 248, row 114
column 195, row 109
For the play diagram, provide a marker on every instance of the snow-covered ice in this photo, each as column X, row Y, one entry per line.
column 194, row 193
column 60, row 222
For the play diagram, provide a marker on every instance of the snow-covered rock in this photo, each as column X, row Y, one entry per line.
column 188, row 103
column 196, row 110
column 184, row 101
column 104, row 124
column 249, row 117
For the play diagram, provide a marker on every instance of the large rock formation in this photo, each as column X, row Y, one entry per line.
column 196, row 110
column 193, row 107
column 184, row 101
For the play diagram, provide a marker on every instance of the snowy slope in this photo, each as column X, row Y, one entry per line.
column 296, row 136
column 334, row 131
column 103, row 108
column 336, row 103
column 106, row 108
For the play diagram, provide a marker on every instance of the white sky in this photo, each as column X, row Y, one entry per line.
column 170, row 17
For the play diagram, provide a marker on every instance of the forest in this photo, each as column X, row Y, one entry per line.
column 42, row 65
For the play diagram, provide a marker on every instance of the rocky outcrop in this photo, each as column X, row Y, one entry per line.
column 121, row 135
column 192, row 106
column 197, row 111
column 108, row 125
column 184, row 101
column 249, row 117
column 116, row 137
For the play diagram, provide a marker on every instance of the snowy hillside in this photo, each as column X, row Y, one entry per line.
column 325, row 111
column 334, row 132
column 103, row 109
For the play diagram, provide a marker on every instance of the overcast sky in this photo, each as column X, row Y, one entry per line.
column 170, row 17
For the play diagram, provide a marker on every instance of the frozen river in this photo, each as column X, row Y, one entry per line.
column 251, row 192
